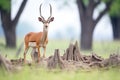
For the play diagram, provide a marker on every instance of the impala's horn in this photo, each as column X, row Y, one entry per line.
column 50, row 11
column 40, row 11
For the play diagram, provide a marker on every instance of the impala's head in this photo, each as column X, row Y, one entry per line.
column 46, row 22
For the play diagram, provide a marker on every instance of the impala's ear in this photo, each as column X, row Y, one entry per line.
column 51, row 19
column 40, row 19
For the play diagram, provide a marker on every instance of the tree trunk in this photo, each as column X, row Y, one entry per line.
column 87, row 25
column 10, row 36
column 116, row 27
column 86, row 38
column 87, row 29
column 9, row 29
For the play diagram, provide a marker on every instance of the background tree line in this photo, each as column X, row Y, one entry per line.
column 86, row 10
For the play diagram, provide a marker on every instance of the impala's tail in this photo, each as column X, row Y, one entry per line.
column 19, row 49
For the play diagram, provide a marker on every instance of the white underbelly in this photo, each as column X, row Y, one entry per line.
column 32, row 44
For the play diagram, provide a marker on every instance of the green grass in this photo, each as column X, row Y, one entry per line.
column 42, row 74
column 103, row 48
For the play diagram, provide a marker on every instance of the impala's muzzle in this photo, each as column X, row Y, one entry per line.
column 46, row 26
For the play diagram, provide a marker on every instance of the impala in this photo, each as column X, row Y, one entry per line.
column 39, row 39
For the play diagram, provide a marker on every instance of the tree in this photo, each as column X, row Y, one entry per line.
column 9, row 24
column 88, row 23
column 115, row 19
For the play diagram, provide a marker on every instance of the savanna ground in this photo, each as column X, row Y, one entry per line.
column 102, row 48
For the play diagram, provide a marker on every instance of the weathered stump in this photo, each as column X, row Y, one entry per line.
column 73, row 53
column 93, row 60
column 113, row 60
column 19, row 61
column 5, row 64
column 34, row 55
column 95, row 57
column 56, row 61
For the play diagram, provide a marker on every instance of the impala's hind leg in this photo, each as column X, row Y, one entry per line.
column 25, row 52
column 32, row 54
column 38, row 54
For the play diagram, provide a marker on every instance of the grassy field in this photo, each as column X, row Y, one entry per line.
column 102, row 48
column 42, row 74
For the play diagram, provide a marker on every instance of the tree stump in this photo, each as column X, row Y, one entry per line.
column 34, row 55
column 56, row 61
column 73, row 53
column 95, row 57
column 5, row 64
column 113, row 60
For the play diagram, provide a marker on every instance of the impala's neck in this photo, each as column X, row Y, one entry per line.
column 44, row 36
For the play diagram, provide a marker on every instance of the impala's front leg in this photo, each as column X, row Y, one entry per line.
column 38, row 53
column 44, row 51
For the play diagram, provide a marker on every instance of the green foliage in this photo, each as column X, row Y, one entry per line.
column 115, row 8
column 5, row 4
column 86, row 2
